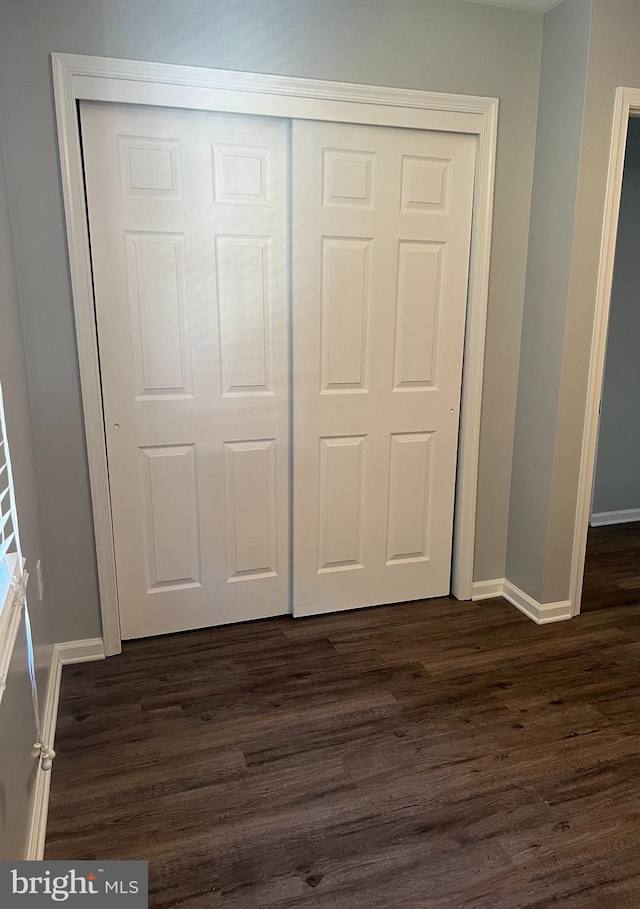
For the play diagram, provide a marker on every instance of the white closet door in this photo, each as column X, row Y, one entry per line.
column 188, row 222
column 380, row 246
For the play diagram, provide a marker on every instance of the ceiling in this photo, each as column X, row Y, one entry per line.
column 530, row 6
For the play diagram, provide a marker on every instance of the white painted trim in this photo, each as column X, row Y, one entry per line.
column 487, row 590
column 68, row 652
column 165, row 84
column 540, row 613
column 600, row 518
column 40, row 796
column 83, row 651
column 627, row 102
column 464, row 530
column 10, row 616
column 79, row 78
column 82, row 291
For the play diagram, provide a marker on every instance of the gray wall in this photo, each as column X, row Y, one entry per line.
column 17, row 724
column 557, row 158
column 617, row 481
column 560, row 303
column 440, row 45
column 614, row 60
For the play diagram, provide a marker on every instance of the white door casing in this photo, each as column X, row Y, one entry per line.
column 627, row 104
column 380, row 256
column 78, row 78
column 188, row 219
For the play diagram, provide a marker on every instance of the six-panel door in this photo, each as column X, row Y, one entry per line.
column 188, row 221
column 380, row 251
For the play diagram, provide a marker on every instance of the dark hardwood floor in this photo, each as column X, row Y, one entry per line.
column 434, row 754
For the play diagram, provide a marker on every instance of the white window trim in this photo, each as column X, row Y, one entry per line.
column 12, row 599
column 78, row 78
column 10, row 615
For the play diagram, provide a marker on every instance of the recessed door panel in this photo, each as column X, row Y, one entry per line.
column 150, row 168
column 244, row 297
column 340, row 513
column 159, row 314
column 346, row 297
column 409, row 486
column 173, row 522
column 418, row 285
column 241, row 174
column 348, row 177
column 423, row 183
column 251, row 508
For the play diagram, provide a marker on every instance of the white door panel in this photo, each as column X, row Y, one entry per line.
column 380, row 246
column 188, row 221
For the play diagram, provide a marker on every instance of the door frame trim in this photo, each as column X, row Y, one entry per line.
column 627, row 104
column 83, row 78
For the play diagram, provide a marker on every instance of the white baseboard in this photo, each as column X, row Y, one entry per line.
column 487, row 590
column 81, row 651
column 67, row 652
column 615, row 517
column 540, row 613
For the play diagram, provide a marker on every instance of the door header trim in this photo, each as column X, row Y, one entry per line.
column 83, row 78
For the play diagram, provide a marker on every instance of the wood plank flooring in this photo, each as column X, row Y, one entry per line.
column 434, row 754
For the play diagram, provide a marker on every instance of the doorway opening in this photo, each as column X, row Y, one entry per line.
column 612, row 568
column 608, row 510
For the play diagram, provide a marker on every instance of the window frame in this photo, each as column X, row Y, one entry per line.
column 13, row 578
